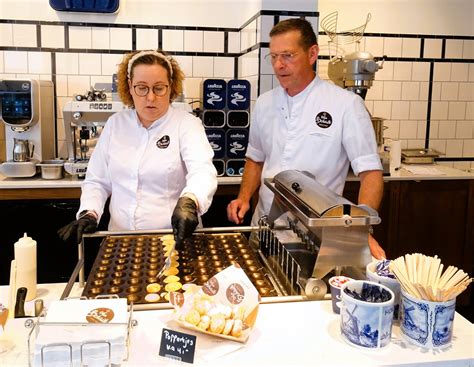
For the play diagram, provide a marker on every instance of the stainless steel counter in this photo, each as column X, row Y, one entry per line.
column 439, row 172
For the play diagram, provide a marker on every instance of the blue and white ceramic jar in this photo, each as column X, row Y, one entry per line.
column 425, row 323
column 366, row 321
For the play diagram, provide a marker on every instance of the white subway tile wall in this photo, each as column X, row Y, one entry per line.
column 6, row 35
column 173, row 40
column 120, row 38
column 248, row 36
column 16, row 62
column 67, row 63
column 100, row 38
column 193, row 41
column 468, row 49
column 90, row 64
column 110, row 63
column 39, row 62
column 454, row 49
column 186, row 64
column 411, row 47
column 213, row 41
column 24, row 35
column 224, row 67
column 52, row 36
column 147, row 39
column 80, row 37
column 392, row 47
column 234, row 42
column 1, row 62
column 433, row 48
column 400, row 92
column 203, row 66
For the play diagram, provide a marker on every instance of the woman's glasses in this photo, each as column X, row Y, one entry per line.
column 143, row 90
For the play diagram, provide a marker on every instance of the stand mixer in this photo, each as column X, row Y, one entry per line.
column 27, row 109
column 354, row 71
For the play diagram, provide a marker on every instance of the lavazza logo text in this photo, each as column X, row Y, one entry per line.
column 237, row 136
column 239, row 86
column 217, row 86
column 214, row 136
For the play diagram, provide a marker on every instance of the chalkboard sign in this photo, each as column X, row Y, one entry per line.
column 178, row 346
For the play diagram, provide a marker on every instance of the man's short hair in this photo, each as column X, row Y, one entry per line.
column 308, row 37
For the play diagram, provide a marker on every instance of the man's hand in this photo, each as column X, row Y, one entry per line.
column 236, row 210
column 72, row 232
column 184, row 220
column 375, row 249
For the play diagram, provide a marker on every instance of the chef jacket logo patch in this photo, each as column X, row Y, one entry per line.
column 163, row 142
column 323, row 120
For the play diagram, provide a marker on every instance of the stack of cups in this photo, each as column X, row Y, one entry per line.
column 335, row 283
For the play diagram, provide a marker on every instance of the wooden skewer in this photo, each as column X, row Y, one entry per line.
column 457, row 278
column 437, row 278
column 400, row 273
column 447, row 275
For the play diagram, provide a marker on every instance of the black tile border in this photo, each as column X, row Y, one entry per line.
column 428, row 108
column 454, row 159
column 38, row 35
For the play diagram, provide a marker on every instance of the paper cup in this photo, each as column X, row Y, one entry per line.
column 391, row 283
column 366, row 324
column 425, row 323
column 335, row 284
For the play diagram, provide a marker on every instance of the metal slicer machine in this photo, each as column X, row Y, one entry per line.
column 321, row 231
column 83, row 123
column 27, row 110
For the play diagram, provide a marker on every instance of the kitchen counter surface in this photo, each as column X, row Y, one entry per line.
column 427, row 172
column 286, row 334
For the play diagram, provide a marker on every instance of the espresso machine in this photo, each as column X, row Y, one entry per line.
column 27, row 110
column 83, row 123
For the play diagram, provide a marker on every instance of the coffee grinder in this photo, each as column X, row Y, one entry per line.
column 27, row 110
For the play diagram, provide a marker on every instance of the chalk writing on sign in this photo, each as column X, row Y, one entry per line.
column 178, row 346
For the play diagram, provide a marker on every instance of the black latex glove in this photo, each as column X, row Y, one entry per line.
column 184, row 220
column 72, row 233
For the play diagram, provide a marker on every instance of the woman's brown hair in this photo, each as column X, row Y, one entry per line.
column 176, row 80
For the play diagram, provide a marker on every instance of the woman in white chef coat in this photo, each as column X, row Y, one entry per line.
column 154, row 161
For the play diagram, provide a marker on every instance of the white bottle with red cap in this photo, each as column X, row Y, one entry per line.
column 25, row 258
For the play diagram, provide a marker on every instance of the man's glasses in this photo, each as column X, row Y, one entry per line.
column 285, row 57
column 143, row 90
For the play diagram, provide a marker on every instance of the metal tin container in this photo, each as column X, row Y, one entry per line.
column 52, row 169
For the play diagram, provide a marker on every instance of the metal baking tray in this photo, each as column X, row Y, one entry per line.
column 419, row 156
column 125, row 265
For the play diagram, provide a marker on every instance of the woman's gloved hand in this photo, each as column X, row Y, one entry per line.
column 72, row 232
column 184, row 220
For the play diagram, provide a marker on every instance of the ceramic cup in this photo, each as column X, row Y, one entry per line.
column 425, row 323
column 335, row 284
column 363, row 323
column 391, row 283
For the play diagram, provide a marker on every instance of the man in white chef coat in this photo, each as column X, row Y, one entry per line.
column 310, row 125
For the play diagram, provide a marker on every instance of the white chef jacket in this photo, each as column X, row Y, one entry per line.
column 325, row 129
column 146, row 170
